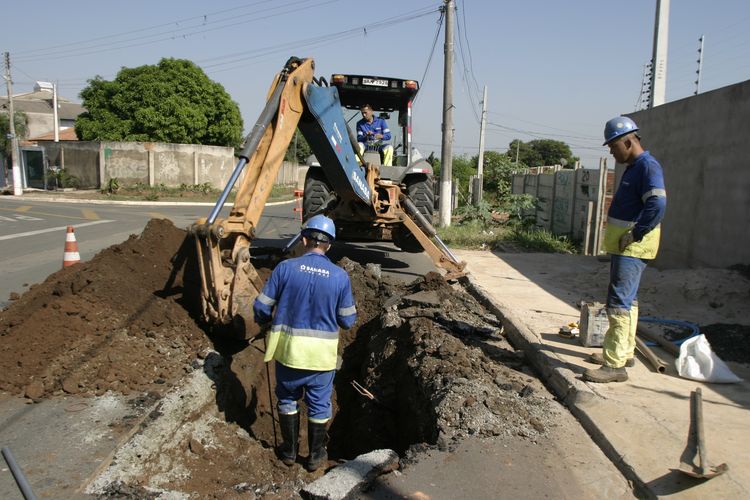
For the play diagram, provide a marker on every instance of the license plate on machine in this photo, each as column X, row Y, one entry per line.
column 372, row 81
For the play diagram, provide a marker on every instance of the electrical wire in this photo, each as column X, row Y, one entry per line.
column 432, row 51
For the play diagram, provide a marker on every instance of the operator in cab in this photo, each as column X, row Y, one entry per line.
column 307, row 299
column 373, row 134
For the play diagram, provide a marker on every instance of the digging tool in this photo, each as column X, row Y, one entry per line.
column 697, row 444
column 270, row 394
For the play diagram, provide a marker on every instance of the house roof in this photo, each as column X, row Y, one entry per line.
column 65, row 134
column 41, row 102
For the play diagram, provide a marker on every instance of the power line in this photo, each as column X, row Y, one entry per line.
column 432, row 50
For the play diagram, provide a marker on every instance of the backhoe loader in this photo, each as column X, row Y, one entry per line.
column 358, row 196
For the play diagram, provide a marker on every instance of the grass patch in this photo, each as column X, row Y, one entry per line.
column 473, row 235
column 541, row 240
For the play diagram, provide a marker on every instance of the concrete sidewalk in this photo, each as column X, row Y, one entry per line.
column 642, row 424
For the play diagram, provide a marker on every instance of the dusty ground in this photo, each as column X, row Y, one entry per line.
column 433, row 360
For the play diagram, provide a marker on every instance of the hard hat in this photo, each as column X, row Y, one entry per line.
column 317, row 226
column 618, row 126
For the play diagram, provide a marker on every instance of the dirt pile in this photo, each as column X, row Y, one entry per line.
column 425, row 364
column 119, row 322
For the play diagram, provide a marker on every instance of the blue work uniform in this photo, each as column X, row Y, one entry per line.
column 312, row 298
column 366, row 132
column 638, row 206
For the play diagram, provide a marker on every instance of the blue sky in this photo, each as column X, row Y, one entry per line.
column 553, row 69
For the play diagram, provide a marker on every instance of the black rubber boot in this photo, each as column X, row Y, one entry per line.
column 316, row 439
column 290, row 434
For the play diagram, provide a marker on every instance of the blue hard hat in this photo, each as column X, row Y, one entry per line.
column 618, row 126
column 319, row 224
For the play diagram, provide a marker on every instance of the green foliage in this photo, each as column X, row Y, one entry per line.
column 481, row 213
column 517, row 206
column 299, row 150
column 62, row 178
column 473, row 235
column 173, row 101
column 112, row 187
column 19, row 123
column 498, row 175
column 540, row 240
column 541, row 152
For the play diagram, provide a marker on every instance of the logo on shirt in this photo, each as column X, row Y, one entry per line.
column 325, row 273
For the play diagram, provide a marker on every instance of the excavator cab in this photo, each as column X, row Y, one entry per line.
column 391, row 99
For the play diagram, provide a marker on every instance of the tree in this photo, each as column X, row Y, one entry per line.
column 173, row 101
column 498, row 174
column 541, row 152
column 20, row 124
column 299, row 150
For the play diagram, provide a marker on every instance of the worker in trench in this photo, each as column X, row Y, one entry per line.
column 632, row 240
column 306, row 299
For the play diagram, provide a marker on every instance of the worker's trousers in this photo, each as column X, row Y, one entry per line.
column 622, row 309
column 316, row 387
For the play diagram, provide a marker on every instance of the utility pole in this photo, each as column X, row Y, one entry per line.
column 700, row 65
column 477, row 192
column 446, row 155
column 659, row 57
column 54, row 112
column 518, row 144
column 17, row 190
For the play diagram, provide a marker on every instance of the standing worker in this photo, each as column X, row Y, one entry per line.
column 312, row 298
column 632, row 240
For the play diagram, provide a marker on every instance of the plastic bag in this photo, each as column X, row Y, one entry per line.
column 698, row 362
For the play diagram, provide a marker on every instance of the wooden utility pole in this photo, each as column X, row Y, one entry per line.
column 446, row 156
column 17, row 189
column 477, row 191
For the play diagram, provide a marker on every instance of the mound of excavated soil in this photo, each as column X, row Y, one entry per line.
column 430, row 363
column 119, row 322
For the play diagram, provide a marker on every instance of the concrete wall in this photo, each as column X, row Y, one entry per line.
column 149, row 163
column 701, row 142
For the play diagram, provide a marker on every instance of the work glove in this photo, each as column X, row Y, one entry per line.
column 625, row 240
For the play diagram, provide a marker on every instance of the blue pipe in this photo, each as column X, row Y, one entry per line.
column 694, row 329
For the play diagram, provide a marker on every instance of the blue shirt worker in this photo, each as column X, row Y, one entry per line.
column 632, row 240
column 306, row 299
column 373, row 134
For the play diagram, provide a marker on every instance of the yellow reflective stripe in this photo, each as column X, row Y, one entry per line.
column 620, row 223
column 304, row 353
column 654, row 192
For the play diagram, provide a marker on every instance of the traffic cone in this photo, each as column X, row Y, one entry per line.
column 71, row 255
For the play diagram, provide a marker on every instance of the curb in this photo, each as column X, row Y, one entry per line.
column 572, row 392
column 62, row 199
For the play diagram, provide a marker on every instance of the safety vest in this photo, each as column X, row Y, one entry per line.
column 641, row 180
column 312, row 298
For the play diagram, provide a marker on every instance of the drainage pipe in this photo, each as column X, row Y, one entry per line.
column 659, row 365
column 23, row 484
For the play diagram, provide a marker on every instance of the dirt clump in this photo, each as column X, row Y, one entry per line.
column 119, row 322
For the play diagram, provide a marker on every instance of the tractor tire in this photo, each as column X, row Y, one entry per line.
column 420, row 192
column 317, row 193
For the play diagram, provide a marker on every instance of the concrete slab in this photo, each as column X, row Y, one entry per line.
column 58, row 443
column 347, row 479
column 642, row 424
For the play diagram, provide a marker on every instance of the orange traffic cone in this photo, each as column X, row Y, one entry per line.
column 71, row 255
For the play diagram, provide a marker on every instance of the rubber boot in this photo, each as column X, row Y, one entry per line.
column 290, row 435
column 316, row 439
column 597, row 359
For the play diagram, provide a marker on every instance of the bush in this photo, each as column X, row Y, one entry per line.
column 63, row 179
column 541, row 240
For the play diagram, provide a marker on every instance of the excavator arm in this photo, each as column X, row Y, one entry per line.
column 229, row 281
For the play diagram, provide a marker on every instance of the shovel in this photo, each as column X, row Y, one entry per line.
column 697, row 445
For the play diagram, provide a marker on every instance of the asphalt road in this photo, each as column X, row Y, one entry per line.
column 32, row 236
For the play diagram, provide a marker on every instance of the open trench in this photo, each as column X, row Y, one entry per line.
column 430, row 364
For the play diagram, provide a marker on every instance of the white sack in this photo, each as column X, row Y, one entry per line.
column 698, row 362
